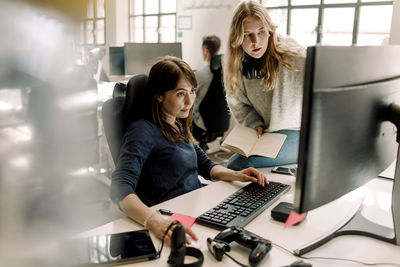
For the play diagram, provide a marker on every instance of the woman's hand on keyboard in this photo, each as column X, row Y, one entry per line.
column 247, row 175
column 253, row 175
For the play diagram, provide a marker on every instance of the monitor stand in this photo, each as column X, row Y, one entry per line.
column 358, row 224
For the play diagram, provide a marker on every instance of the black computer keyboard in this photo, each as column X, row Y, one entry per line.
column 243, row 206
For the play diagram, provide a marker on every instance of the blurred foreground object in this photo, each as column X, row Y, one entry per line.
column 48, row 132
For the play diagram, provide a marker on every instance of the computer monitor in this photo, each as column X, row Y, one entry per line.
column 117, row 60
column 346, row 138
column 141, row 56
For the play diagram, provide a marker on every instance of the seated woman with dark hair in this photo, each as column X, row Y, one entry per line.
column 158, row 160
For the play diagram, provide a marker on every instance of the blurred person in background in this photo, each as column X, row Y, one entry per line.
column 210, row 48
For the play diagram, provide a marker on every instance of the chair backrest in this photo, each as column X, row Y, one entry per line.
column 121, row 110
column 214, row 108
column 119, row 90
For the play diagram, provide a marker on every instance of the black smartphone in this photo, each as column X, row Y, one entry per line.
column 111, row 249
column 285, row 170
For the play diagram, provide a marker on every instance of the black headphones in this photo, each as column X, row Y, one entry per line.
column 179, row 250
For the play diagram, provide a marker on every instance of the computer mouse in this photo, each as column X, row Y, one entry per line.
column 300, row 264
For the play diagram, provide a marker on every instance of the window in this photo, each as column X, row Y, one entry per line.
column 152, row 21
column 333, row 22
column 93, row 24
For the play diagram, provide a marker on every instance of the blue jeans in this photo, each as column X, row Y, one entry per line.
column 287, row 155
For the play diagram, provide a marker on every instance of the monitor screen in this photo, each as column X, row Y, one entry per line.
column 117, row 60
column 345, row 138
column 139, row 57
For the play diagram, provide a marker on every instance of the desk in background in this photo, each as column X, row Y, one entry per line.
column 119, row 78
column 317, row 222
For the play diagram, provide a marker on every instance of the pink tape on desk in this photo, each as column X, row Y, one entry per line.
column 294, row 218
column 185, row 220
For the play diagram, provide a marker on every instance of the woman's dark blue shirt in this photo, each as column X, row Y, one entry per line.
column 154, row 168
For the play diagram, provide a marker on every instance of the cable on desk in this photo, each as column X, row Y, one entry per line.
column 335, row 259
column 163, row 238
column 235, row 260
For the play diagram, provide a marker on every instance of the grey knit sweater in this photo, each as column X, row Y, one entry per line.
column 276, row 109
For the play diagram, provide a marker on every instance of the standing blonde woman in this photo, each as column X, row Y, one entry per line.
column 264, row 82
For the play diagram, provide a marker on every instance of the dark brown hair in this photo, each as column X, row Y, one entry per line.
column 164, row 76
column 213, row 43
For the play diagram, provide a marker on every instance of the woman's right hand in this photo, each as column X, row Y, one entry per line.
column 158, row 225
column 259, row 130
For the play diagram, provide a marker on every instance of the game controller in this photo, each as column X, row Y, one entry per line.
column 258, row 245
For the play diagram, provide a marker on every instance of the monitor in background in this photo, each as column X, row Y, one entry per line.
column 117, row 60
column 346, row 138
column 139, row 57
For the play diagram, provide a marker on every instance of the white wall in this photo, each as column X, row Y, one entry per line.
column 207, row 19
column 395, row 28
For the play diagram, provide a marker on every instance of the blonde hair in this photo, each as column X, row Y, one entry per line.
column 164, row 75
column 274, row 55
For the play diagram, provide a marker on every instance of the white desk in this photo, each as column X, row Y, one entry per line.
column 319, row 221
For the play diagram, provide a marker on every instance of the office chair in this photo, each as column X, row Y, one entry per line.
column 119, row 90
column 214, row 108
column 121, row 110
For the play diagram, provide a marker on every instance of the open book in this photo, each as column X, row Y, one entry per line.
column 244, row 140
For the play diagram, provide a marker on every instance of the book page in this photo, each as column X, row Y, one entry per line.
column 241, row 137
column 269, row 145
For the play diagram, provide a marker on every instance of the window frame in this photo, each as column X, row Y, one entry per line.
column 132, row 16
column 94, row 20
column 321, row 7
